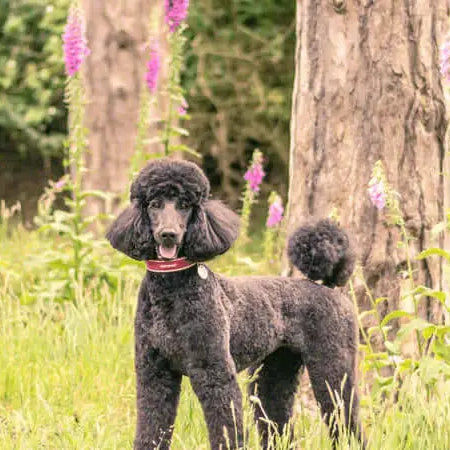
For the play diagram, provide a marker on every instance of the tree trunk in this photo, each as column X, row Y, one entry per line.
column 368, row 88
column 118, row 36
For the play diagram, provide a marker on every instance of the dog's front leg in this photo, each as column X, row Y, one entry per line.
column 215, row 384
column 158, row 392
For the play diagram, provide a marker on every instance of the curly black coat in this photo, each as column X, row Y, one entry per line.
column 211, row 328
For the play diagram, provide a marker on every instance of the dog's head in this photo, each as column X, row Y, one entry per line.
column 171, row 216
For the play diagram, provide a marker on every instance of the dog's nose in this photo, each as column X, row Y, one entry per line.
column 168, row 235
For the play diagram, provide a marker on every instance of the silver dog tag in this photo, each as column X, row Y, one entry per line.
column 202, row 271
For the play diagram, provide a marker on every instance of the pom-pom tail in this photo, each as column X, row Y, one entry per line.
column 322, row 251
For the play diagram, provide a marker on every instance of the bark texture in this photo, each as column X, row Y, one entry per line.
column 368, row 88
column 118, row 36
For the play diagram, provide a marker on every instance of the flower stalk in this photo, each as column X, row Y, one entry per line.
column 253, row 178
column 175, row 15
column 273, row 227
column 382, row 195
column 175, row 92
column 148, row 99
column 75, row 51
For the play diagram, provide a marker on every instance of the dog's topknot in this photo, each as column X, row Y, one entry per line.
column 322, row 251
column 165, row 177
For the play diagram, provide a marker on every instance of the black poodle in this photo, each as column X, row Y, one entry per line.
column 191, row 321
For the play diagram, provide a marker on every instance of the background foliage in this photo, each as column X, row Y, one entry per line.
column 239, row 78
column 239, row 74
column 32, row 113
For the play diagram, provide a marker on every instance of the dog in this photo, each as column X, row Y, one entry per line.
column 191, row 321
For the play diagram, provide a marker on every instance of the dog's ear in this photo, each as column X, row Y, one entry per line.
column 131, row 233
column 212, row 230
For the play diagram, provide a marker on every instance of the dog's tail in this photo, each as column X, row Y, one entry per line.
column 322, row 251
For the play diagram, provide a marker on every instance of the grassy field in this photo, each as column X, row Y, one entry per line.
column 67, row 378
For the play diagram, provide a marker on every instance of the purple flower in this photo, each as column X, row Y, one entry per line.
column 153, row 66
column 176, row 12
column 445, row 59
column 75, row 45
column 377, row 193
column 182, row 110
column 276, row 211
column 60, row 183
column 254, row 176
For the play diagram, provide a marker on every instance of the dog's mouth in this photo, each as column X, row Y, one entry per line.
column 167, row 252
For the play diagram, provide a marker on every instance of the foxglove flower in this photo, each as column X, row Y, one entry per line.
column 377, row 193
column 153, row 67
column 276, row 211
column 75, row 44
column 60, row 183
column 445, row 60
column 255, row 173
column 176, row 13
column 254, row 176
column 182, row 109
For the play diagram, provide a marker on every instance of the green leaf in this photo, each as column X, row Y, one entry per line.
column 380, row 299
column 429, row 331
column 186, row 149
column 179, row 131
column 372, row 330
column 395, row 315
column 96, row 194
column 442, row 330
column 377, row 356
column 432, row 252
column 384, row 381
column 408, row 364
column 192, row 152
column 415, row 324
column 441, row 349
column 424, row 291
column 430, row 369
column 393, row 347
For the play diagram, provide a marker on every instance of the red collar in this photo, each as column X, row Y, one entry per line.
column 174, row 265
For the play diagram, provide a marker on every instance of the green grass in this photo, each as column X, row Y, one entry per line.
column 67, row 377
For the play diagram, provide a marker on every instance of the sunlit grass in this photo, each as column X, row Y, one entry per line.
column 67, row 377
column 65, row 380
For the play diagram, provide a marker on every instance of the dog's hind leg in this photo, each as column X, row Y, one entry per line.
column 275, row 386
column 333, row 382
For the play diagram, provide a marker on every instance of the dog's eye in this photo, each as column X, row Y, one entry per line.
column 183, row 204
column 155, row 204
